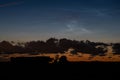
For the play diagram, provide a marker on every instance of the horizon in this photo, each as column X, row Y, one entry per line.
column 24, row 41
column 94, row 20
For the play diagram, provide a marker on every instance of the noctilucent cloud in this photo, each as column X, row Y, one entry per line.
column 25, row 20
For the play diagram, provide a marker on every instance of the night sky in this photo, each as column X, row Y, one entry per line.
column 25, row 20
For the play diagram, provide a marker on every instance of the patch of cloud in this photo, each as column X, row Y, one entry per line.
column 74, row 27
column 97, row 12
column 70, row 27
column 84, row 30
column 101, row 13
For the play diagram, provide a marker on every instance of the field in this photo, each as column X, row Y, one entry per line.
column 73, row 58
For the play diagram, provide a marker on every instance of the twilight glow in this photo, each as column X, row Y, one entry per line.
column 25, row 20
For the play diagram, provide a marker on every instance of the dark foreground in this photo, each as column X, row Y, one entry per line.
column 42, row 70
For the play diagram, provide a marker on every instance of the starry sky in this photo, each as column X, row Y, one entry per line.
column 25, row 20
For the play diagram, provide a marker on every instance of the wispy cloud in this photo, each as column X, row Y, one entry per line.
column 10, row 4
column 100, row 12
column 69, row 28
column 84, row 30
column 97, row 12
column 77, row 28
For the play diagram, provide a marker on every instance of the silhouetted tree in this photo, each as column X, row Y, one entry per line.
column 18, row 49
column 90, row 48
column 63, row 60
column 6, row 47
column 116, row 48
column 41, row 46
column 30, row 46
column 56, row 60
column 65, row 44
column 73, row 51
column 52, row 45
column 35, row 47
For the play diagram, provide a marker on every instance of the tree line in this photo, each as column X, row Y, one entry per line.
column 53, row 45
